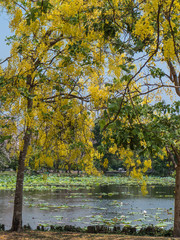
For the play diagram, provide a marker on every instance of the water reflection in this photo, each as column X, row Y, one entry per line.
column 111, row 204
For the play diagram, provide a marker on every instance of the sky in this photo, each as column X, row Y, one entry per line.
column 5, row 31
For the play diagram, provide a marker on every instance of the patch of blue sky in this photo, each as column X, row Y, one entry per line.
column 5, row 32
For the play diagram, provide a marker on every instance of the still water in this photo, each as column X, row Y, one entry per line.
column 108, row 205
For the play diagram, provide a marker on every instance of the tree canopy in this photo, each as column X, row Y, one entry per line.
column 69, row 62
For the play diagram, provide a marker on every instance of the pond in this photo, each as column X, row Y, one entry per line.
column 107, row 205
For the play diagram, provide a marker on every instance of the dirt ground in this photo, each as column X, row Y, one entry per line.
column 32, row 235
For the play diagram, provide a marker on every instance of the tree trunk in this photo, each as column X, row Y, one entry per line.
column 18, row 200
column 177, row 202
column 69, row 168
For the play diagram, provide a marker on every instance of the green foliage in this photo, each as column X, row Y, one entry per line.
column 156, row 72
column 43, row 6
column 113, row 160
column 145, row 129
column 161, row 167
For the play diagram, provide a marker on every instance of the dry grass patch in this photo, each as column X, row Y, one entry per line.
column 37, row 235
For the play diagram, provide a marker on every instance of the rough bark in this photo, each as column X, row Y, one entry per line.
column 69, row 168
column 171, row 157
column 18, row 200
column 174, row 77
column 177, row 202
